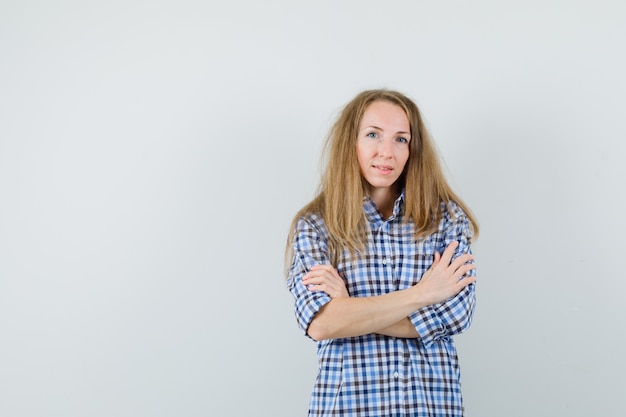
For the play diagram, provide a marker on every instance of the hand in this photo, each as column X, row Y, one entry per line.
column 325, row 278
column 445, row 279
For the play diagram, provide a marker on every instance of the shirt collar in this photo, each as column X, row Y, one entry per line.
column 372, row 212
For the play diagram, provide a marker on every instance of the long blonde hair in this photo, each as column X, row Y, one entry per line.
column 339, row 199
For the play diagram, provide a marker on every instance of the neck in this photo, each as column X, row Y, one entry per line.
column 384, row 199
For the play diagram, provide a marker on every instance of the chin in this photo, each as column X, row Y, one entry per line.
column 381, row 185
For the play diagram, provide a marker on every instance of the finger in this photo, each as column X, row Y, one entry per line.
column 324, row 267
column 331, row 290
column 465, row 281
column 437, row 258
column 316, row 288
column 461, row 272
column 461, row 260
column 320, row 275
column 319, row 282
column 327, row 284
column 315, row 271
column 314, row 278
column 446, row 257
column 323, row 278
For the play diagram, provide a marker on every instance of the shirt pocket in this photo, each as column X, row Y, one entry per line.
column 414, row 259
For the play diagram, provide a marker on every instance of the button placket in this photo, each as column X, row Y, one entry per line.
column 384, row 244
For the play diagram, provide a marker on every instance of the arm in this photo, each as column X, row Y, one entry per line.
column 454, row 315
column 347, row 317
column 334, row 286
column 387, row 314
column 404, row 328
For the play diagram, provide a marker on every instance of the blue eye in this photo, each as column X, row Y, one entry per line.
column 372, row 135
column 402, row 140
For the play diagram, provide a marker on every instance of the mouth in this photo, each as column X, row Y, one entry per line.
column 383, row 168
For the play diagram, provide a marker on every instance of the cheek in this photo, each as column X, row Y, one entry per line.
column 361, row 154
column 403, row 157
column 362, row 162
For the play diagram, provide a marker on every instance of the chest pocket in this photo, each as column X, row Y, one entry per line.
column 415, row 258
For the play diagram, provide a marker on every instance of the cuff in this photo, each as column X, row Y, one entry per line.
column 428, row 325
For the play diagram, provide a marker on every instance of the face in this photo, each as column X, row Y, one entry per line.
column 383, row 145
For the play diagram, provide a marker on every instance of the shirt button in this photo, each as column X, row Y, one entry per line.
column 384, row 261
column 395, row 374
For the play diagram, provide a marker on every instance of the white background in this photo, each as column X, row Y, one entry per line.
column 153, row 153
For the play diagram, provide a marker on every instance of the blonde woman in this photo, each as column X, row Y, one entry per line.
column 380, row 267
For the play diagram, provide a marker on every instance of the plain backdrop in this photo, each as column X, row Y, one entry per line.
column 153, row 153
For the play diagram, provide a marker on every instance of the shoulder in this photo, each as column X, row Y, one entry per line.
column 310, row 222
column 452, row 213
column 310, row 236
column 452, row 209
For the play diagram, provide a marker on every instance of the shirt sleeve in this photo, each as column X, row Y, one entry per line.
column 309, row 249
column 453, row 316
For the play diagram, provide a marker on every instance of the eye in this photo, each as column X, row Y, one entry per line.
column 372, row 135
column 402, row 139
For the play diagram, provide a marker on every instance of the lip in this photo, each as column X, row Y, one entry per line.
column 383, row 169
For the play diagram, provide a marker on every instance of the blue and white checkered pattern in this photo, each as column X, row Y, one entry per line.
column 376, row 375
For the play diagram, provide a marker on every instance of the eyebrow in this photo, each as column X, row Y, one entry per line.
column 378, row 128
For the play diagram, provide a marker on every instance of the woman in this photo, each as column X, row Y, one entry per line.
column 380, row 267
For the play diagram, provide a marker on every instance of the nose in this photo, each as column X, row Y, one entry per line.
column 385, row 148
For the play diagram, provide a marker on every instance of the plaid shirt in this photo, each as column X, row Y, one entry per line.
column 376, row 375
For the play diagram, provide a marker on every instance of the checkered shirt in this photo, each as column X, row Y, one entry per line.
column 376, row 375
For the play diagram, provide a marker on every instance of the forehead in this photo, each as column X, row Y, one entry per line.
column 384, row 114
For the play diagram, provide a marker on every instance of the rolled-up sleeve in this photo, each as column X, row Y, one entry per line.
column 455, row 315
column 309, row 248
